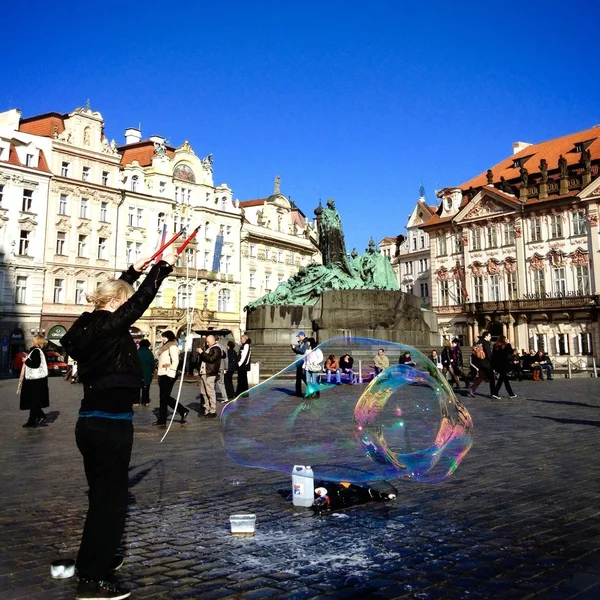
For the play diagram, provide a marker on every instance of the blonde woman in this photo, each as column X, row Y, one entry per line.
column 110, row 370
column 34, row 383
column 168, row 361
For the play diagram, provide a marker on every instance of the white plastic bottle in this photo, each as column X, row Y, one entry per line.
column 303, row 486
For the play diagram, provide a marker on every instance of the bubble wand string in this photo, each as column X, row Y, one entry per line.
column 188, row 331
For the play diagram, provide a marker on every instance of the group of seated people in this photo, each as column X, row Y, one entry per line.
column 532, row 363
column 340, row 368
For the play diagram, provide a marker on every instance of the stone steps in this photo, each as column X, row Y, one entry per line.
column 273, row 359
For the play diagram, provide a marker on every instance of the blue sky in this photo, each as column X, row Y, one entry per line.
column 345, row 99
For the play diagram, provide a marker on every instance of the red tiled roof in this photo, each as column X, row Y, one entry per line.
column 388, row 240
column 435, row 220
column 549, row 150
column 250, row 203
column 44, row 125
column 13, row 157
column 42, row 163
column 142, row 151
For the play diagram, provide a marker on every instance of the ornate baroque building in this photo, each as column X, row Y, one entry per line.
column 83, row 203
column 24, row 182
column 276, row 241
column 410, row 254
column 164, row 185
column 515, row 250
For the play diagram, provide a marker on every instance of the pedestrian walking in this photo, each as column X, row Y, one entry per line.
column 448, row 363
column 243, row 362
column 111, row 373
column 168, row 362
column 147, row 360
column 299, row 349
column 231, row 369
column 33, row 383
column 502, row 364
column 210, row 363
column 483, row 364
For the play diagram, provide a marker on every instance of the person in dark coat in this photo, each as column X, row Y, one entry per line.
column 231, row 369
column 34, row 384
column 147, row 360
column 111, row 373
column 502, row 363
column 299, row 349
column 484, row 365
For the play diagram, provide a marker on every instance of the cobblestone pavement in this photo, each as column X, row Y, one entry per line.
column 519, row 518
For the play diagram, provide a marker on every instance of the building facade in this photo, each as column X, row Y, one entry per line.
column 516, row 250
column 410, row 255
column 24, row 183
column 171, row 189
column 276, row 241
column 83, row 204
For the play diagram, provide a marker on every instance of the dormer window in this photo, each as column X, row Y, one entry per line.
column 29, row 160
column 579, row 147
column 448, row 204
column 134, row 183
column 517, row 163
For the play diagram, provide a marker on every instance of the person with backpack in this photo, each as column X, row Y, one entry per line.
column 502, row 364
column 483, row 363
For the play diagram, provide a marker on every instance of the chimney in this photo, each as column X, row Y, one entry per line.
column 518, row 146
column 11, row 119
column 157, row 139
column 132, row 135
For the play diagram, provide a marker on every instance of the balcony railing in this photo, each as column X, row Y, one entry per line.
column 541, row 304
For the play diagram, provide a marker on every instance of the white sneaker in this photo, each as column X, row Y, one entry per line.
column 496, row 397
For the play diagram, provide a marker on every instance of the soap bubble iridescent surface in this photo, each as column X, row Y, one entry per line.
column 404, row 423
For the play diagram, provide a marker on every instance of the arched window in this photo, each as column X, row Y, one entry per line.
column 185, row 297
column 224, row 203
column 134, row 183
column 224, row 303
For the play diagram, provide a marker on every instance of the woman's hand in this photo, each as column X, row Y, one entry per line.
column 170, row 258
column 141, row 265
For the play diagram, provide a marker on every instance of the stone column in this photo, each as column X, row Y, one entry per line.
column 475, row 330
column 564, row 186
column 511, row 330
column 504, row 328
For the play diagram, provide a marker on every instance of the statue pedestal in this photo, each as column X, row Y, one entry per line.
column 386, row 315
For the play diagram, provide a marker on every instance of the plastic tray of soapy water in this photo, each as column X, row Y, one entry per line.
column 242, row 524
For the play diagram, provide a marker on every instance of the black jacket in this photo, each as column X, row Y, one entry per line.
column 212, row 359
column 100, row 342
column 501, row 359
column 231, row 360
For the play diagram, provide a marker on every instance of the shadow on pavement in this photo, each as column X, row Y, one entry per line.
column 566, row 402
column 570, row 421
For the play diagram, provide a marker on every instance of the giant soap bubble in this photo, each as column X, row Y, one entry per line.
column 404, row 423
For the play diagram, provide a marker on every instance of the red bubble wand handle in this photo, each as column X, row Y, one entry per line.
column 190, row 238
column 162, row 249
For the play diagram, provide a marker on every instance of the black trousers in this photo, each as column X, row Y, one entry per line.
column 229, row 385
column 146, row 394
column 503, row 379
column 242, row 383
column 105, row 445
column 300, row 377
column 165, row 387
